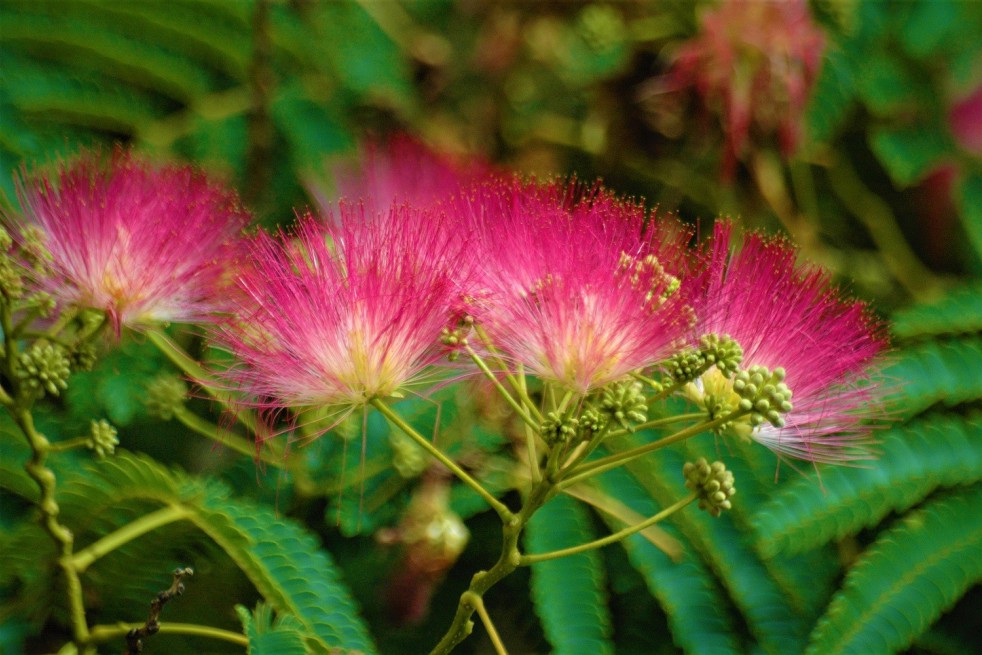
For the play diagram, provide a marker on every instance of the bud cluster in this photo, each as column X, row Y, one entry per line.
column 165, row 396
column 456, row 338
column 712, row 484
column 764, row 393
column 102, row 438
column 625, row 403
column 44, row 368
column 720, row 351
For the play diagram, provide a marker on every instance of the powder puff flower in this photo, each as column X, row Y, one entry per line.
column 139, row 241
column 401, row 170
column 754, row 63
column 573, row 284
column 813, row 348
column 341, row 312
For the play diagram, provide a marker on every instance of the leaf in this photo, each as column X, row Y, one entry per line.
column 767, row 609
column 917, row 458
column 266, row 637
column 569, row 593
column 935, row 372
column 831, row 98
column 959, row 311
column 969, row 201
column 686, row 589
column 909, row 153
column 283, row 562
column 904, row 581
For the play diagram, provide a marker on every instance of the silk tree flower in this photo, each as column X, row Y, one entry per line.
column 790, row 320
column 140, row 241
column 754, row 64
column 341, row 311
column 401, row 169
column 575, row 284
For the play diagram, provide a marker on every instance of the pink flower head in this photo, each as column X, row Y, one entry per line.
column 341, row 311
column 754, row 63
column 402, row 170
column 788, row 316
column 573, row 284
column 139, row 241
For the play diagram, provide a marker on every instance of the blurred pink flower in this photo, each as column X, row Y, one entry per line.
column 341, row 312
column 572, row 283
column 789, row 316
column 401, row 169
column 142, row 242
column 754, row 63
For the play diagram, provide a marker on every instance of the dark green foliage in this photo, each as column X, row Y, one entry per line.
column 917, row 457
column 271, row 636
column 942, row 371
column 569, row 593
column 959, row 311
column 913, row 572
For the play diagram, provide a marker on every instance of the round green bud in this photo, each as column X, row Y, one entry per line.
column 712, row 484
column 625, row 403
column 102, row 438
column 44, row 368
column 165, row 396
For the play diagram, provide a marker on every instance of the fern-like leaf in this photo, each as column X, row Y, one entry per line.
column 767, row 609
column 936, row 372
column 960, row 311
column 687, row 589
column 284, row 636
column 906, row 579
column 917, row 458
column 569, row 592
column 283, row 562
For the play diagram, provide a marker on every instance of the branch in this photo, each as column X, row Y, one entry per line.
column 135, row 637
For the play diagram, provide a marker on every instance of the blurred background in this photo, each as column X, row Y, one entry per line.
column 853, row 127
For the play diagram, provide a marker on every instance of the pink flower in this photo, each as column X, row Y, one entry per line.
column 402, row 170
column 789, row 316
column 341, row 312
column 754, row 63
column 142, row 242
column 572, row 284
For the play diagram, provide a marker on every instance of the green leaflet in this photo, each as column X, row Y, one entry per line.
column 766, row 608
column 960, row 311
column 906, row 579
column 916, row 458
column 687, row 590
column 284, row 636
column 933, row 372
column 283, row 562
column 570, row 592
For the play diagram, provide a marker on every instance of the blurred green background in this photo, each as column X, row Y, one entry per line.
column 884, row 187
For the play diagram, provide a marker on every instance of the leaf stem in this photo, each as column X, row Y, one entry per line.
column 104, row 633
column 395, row 419
column 482, row 612
column 84, row 558
column 618, row 459
column 489, row 374
column 527, row 560
column 227, row 438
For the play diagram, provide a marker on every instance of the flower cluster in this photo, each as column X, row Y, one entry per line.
column 754, row 64
column 139, row 241
column 591, row 294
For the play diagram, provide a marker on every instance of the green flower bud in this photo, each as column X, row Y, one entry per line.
column 764, row 392
column 102, row 438
column 408, row 459
column 44, row 368
column 625, row 403
column 165, row 396
column 557, row 428
column 83, row 356
column 712, row 484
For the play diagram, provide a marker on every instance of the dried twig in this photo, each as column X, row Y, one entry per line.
column 135, row 637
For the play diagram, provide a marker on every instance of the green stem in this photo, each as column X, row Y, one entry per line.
column 482, row 612
column 84, row 558
column 527, row 560
column 516, row 382
column 199, row 374
column 618, row 459
column 104, row 633
column 519, row 409
column 233, row 441
column 68, row 444
column 398, row 421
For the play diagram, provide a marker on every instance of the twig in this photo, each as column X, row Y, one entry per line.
column 135, row 637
